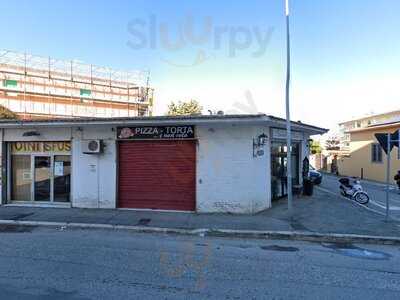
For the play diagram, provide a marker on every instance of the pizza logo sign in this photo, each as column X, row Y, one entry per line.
column 156, row 132
column 126, row 133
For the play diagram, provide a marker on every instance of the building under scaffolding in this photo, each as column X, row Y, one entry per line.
column 38, row 87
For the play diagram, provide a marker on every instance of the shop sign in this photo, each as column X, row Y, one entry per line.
column 281, row 134
column 40, row 147
column 156, row 132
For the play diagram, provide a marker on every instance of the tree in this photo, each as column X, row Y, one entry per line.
column 332, row 143
column 5, row 113
column 315, row 147
column 191, row 107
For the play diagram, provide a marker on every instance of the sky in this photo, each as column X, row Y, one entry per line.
column 228, row 55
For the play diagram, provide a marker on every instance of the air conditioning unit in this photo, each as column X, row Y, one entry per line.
column 92, row 146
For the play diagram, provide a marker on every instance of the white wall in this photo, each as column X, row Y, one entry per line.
column 94, row 176
column 229, row 178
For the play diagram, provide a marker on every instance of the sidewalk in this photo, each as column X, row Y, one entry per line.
column 323, row 214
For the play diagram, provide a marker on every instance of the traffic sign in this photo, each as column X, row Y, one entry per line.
column 394, row 138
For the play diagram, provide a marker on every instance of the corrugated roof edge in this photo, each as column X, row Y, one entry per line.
column 154, row 118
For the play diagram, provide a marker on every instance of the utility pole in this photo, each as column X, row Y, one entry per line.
column 288, row 124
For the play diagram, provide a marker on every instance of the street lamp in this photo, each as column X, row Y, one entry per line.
column 288, row 124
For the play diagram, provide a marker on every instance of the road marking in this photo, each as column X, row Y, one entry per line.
column 384, row 206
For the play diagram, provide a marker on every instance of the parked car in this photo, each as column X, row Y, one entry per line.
column 315, row 176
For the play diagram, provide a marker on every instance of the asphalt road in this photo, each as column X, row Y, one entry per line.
column 95, row 264
column 376, row 191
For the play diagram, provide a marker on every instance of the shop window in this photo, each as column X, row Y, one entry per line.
column 40, row 171
column 21, row 179
column 376, row 156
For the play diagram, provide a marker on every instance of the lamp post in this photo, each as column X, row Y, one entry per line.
column 288, row 124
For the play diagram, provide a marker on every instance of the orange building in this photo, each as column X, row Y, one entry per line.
column 366, row 158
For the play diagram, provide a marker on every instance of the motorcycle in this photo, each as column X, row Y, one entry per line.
column 351, row 188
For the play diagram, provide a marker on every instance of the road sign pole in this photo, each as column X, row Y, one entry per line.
column 388, row 176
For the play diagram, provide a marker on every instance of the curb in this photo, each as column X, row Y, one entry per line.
column 254, row 234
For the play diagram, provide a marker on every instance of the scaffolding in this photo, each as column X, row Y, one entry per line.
column 40, row 87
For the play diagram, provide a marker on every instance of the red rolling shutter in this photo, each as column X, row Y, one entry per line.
column 157, row 175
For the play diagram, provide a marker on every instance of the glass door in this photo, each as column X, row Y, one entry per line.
column 279, row 168
column 278, row 171
column 42, row 178
column 62, row 178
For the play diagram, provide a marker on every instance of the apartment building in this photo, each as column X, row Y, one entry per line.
column 42, row 87
column 363, row 122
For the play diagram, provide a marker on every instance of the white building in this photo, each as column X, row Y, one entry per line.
column 197, row 163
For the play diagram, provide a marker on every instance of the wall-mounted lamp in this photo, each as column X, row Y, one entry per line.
column 31, row 133
column 258, row 143
column 262, row 139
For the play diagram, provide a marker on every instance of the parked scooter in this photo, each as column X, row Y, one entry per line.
column 351, row 187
